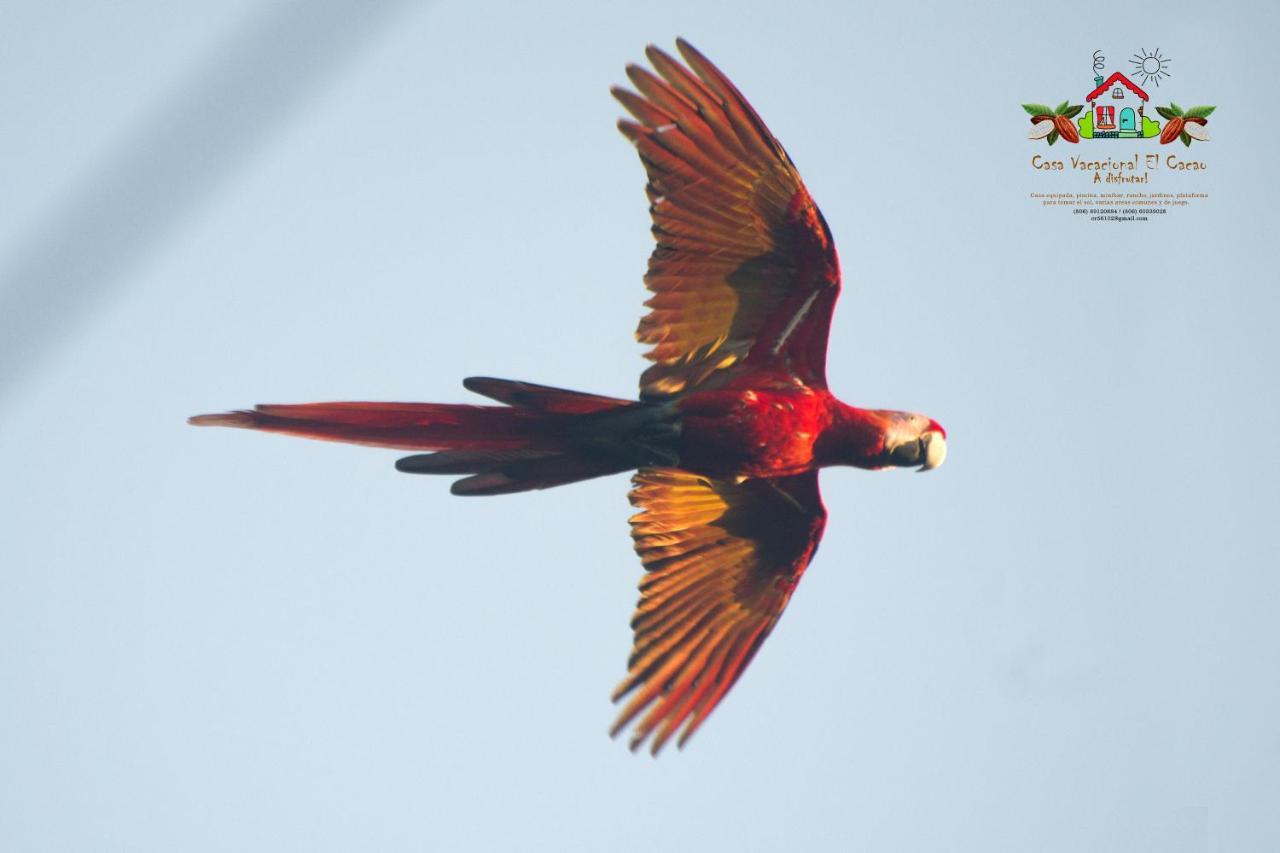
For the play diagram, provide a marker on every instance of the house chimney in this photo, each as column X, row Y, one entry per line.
column 1097, row 80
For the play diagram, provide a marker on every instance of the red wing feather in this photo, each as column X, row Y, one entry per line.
column 745, row 270
column 721, row 560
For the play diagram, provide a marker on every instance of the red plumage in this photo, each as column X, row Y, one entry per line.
column 734, row 417
column 403, row 426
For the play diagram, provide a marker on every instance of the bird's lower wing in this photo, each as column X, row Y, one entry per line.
column 721, row 560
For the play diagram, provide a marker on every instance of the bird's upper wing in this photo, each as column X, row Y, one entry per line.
column 745, row 270
column 721, row 560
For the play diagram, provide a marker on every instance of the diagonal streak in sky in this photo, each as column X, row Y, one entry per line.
column 205, row 129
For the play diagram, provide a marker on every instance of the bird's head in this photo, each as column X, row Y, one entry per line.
column 912, row 440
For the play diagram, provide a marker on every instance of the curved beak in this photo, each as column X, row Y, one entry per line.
column 933, row 449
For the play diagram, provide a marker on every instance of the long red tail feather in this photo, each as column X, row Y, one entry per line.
column 531, row 443
column 403, row 426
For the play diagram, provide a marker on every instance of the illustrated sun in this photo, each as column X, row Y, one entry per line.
column 1152, row 66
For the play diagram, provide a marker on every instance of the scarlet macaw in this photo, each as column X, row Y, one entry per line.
column 734, row 417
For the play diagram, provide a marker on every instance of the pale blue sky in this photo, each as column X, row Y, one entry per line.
column 1063, row 640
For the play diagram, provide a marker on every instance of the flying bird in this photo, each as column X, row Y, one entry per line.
column 734, row 418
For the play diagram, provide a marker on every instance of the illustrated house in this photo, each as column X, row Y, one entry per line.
column 1116, row 105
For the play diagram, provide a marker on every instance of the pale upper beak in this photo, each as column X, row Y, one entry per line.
column 933, row 449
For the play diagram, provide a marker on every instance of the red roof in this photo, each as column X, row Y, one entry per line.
column 1117, row 78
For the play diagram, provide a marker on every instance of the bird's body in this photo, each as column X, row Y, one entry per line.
column 772, row 429
column 734, row 417
column 763, row 431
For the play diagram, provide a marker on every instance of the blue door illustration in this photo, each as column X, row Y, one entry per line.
column 1126, row 120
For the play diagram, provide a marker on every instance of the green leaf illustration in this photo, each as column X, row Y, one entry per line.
column 1186, row 140
column 1200, row 112
column 1177, row 110
column 1037, row 109
column 1053, row 137
column 1165, row 112
column 1062, row 106
column 1072, row 112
